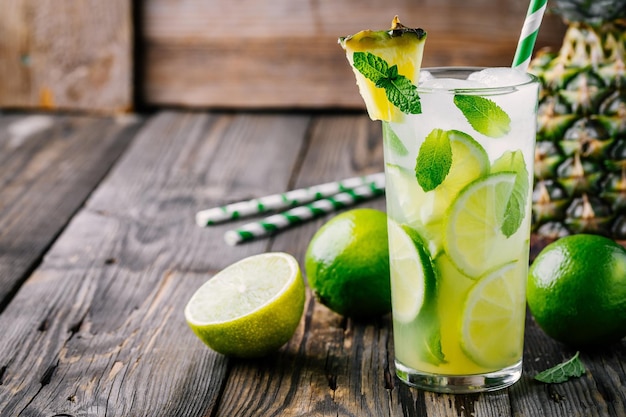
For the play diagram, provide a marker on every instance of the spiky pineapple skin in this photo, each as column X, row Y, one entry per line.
column 580, row 158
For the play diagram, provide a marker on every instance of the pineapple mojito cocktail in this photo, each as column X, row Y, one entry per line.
column 458, row 166
column 458, row 201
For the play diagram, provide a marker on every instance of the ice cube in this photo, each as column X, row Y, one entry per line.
column 450, row 83
column 425, row 75
column 500, row 77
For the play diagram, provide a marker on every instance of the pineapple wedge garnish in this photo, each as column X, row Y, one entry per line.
column 399, row 46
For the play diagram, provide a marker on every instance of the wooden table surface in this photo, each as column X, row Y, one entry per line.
column 99, row 253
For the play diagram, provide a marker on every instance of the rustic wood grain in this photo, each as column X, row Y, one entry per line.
column 48, row 167
column 97, row 329
column 63, row 54
column 281, row 53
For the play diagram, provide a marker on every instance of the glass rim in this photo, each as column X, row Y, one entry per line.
column 507, row 89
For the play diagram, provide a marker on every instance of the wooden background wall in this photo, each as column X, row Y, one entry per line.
column 116, row 55
column 66, row 55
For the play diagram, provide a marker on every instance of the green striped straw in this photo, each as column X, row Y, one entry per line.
column 282, row 200
column 277, row 222
column 527, row 39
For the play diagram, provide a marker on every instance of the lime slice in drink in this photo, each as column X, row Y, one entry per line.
column 411, row 273
column 473, row 236
column 406, row 193
column 469, row 162
column 250, row 308
column 493, row 318
column 414, row 206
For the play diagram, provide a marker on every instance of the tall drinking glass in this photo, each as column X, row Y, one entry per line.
column 459, row 180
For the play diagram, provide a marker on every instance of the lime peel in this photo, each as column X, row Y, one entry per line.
column 250, row 308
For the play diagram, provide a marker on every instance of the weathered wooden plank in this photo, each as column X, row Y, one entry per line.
column 345, row 368
column 332, row 366
column 281, row 53
column 600, row 392
column 98, row 328
column 41, row 187
column 63, row 54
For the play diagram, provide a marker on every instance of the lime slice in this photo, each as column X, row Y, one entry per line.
column 493, row 318
column 469, row 162
column 473, row 236
column 411, row 200
column 410, row 205
column 411, row 273
column 250, row 308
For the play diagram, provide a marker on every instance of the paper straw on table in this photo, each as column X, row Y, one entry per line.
column 281, row 201
column 527, row 39
column 301, row 214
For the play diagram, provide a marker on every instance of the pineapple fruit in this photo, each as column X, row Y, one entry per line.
column 580, row 158
column 400, row 46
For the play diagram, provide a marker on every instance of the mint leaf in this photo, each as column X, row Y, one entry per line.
column 513, row 161
column 484, row 115
column 399, row 90
column 392, row 141
column 372, row 67
column 572, row 368
column 402, row 94
column 392, row 72
column 434, row 160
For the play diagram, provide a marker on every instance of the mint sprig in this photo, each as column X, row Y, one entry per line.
column 484, row 115
column 433, row 160
column 399, row 90
column 572, row 368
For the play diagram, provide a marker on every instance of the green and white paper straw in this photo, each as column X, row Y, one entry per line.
column 300, row 214
column 527, row 39
column 281, row 201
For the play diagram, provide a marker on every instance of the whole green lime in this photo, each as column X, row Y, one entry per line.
column 347, row 264
column 577, row 290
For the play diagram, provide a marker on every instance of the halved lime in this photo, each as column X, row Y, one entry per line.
column 473, row 236
column 250, row 308
column 411, row 273
column 493, row 318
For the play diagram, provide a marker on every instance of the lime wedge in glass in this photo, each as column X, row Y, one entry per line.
column 411, row 273
column 493, row 317
column 473, row 236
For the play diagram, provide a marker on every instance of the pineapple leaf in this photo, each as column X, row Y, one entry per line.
column 434, row 160
column 484, row 115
